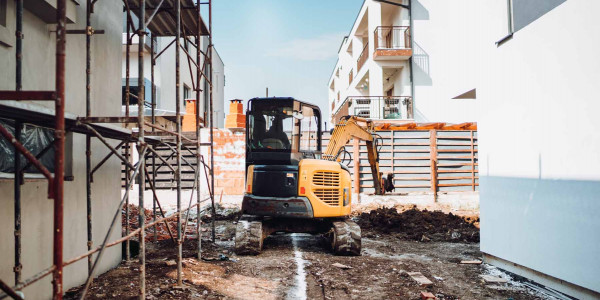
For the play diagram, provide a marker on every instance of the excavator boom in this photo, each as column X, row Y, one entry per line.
column 361, row 129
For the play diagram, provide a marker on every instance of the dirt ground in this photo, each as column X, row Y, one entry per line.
column 300, row 266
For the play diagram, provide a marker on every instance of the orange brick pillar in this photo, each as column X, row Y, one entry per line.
column 236, row 117
column 188, row 123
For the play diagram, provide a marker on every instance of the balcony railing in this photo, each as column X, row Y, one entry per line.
column 362, row 58
column 392, row 37
column 380, row 107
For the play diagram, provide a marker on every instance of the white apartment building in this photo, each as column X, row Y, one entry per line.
column 164, row 78
column 527, row 72
column 402, row 63
column 372, row 75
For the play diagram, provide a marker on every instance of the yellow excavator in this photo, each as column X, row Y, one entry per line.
column 291, row 185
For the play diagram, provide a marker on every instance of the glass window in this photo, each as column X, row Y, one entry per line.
column 309, row 130
column 271, row 127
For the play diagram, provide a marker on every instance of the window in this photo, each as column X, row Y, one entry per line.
column 133, row 89
column 7, row 37
column 521, row 13
column 187, row 94
column 3, row 12
column 524, row 12
column 271, row 127
column 309, row 129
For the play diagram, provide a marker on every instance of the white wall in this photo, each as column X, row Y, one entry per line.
column 38, row 74
column 448, row 42
column 539, row 143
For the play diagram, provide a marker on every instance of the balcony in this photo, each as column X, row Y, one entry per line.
column 392, row 43
column 362, row 58
column 380, row 107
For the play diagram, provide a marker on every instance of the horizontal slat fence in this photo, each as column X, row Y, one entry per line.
column 165, row 178
column 421, row 161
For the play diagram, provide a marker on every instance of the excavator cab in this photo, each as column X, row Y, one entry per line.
column 289, row 186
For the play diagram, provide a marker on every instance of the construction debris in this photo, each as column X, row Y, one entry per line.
column 493, row 279
column 341, row 266
column 419, row 278
column 427, row 295
column 470, row 262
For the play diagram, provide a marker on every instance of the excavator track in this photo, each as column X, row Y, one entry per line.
column 248, row 236
column 345, row 238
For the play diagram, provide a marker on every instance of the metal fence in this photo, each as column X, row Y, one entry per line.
column 379, row 107
column 392, row 37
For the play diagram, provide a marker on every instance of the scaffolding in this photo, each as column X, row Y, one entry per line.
column 180, row 19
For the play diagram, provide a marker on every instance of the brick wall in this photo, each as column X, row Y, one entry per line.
column 230, row 160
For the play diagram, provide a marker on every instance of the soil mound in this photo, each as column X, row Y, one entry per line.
column 417, row 225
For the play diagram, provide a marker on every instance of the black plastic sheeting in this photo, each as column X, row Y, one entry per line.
column 35, row 139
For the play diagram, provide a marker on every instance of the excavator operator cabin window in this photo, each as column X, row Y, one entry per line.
column 309, row 130
column 271, row 128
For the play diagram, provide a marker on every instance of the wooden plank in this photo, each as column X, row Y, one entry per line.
column 433, row 160
column 472, row 161
column 403, row 158
column 412, row 178
column 470, row 262
column 413, row 172
column 393, row 153
column 454, row 137
column 418, row 277
column 493, row 279
column 402, row 186
column 454, row 157
column 356, row 168
column 456, row 184
column 457, row 164
column 417, row 137
column 455, row 171
column 415, row 144
column 456, row 144
column 454, row 178
column 413, row 151
column 456, row 150
column 401, row 172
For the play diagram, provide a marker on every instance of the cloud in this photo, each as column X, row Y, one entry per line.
column 314, row 49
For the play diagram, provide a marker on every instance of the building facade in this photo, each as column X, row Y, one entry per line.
column 36, row 234
column 526, row 71
column 164, row 78
column 401, row 63
column 372, row 75
column 539, row 179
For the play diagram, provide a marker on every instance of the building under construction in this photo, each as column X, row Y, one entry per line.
column 65, row 137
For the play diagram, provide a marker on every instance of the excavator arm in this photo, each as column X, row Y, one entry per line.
column 361, row 129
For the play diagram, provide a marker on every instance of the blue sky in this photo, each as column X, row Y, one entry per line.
column 289, row 46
